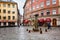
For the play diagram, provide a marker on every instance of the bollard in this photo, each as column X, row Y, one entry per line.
column 33, row 29
column 40, row 28
column 26, row 29
column 41, row 32
column 29, row 31
column 45, row 30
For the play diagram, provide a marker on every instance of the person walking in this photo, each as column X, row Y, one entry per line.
column 49, row 25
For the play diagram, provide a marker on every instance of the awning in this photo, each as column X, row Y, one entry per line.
column 41, row 20
column 48, row 20
column 26, row 21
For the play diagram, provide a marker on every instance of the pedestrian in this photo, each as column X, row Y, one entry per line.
column 18, row 25
column 49, row 25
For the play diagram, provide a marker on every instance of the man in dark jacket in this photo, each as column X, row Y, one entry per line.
column 49, row 25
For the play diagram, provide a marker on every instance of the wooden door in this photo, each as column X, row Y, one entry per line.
column 54, row 22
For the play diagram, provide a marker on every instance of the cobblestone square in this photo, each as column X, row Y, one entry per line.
column 20, row 33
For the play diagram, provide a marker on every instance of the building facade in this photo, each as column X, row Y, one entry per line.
column 44, row 8
column 8, row 13
column 19, row 19
column 7, row 0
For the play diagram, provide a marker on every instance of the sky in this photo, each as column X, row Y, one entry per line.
column 20, row 5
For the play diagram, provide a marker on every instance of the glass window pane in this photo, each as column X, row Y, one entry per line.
column 53, row 11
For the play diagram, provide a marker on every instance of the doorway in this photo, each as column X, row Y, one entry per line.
column 54, row 22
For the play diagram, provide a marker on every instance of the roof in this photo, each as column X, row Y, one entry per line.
column 8, row 2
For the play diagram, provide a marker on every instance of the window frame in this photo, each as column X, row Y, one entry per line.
column 9, row 17
column 42, row 13
column 48, row 2
column 54, row 11
column 4, row 17
column 4, row 5
column 33, row 1
column 0, row 16
column 13, row 17
column 0, row 10
column 13, row 6
column 33, row 7
column 53, row 1
column 9, row 5
column 8, row 12
column 37, row 6
column 48, row 12
column 4, row 10
column 42, row 4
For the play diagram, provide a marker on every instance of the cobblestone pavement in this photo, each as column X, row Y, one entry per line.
column 20, row 33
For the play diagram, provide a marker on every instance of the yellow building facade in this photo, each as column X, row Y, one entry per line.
column 8, row 14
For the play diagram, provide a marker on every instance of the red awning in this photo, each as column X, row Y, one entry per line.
column 23, row 21
column 48, row 20
column 41, row 20
column 26, row 21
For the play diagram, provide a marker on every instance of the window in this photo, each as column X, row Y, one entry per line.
column 42, row 4
column 4, row 11
column 13, row 6
column 53, row 1
column 37, row 6
column 53, row 11
column 13, row 17
column 0, row 10
column 48, row 12
column 4, row 5
column 4, row 17
column 33, row 7
column 9, row 5
column 13, row 12
column 32, row 0
column 42, row 13
column 8, row 11
column 0, row 17
column 8, row 17
column 48, row 2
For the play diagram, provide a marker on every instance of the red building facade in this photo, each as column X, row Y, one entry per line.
column 44, row 8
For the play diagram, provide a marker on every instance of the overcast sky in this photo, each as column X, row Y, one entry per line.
column 20, row 5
